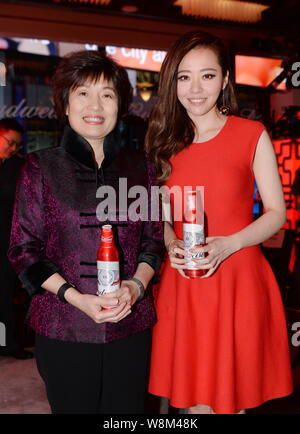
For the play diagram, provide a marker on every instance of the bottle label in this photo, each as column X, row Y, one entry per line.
column 193, row 235
column 108, row 276
column 106, row 238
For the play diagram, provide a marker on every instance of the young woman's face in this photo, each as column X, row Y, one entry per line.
column 93, row 110
column 199, row 81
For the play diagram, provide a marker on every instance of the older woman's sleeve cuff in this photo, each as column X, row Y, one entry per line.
column 153, row 260
column 34, row 275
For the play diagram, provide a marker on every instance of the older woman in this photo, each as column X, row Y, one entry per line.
column 92, row 360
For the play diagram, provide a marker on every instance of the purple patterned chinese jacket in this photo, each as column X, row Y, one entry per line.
column 55, row 229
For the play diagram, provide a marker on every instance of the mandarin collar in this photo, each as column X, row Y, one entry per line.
column 80, row 149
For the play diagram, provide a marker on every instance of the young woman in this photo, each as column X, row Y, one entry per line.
column 93, row 360
column 220, row 344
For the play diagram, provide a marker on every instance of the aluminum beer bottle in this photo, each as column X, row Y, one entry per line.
column 107, row 263
column 193, row 230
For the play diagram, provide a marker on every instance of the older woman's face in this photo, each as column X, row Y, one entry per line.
column 93, row 110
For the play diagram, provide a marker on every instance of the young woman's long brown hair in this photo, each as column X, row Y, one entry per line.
column 170, row 128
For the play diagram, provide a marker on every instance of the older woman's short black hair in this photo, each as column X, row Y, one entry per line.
column 79, row 67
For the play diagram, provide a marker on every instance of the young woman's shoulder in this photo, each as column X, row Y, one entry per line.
column 247, row 124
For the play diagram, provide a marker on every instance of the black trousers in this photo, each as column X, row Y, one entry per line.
column 83, row 378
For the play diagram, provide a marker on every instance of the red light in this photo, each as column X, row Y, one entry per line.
column 129, row 8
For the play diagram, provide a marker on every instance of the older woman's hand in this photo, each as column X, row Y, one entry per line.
column 128, row 292
column 104, row 308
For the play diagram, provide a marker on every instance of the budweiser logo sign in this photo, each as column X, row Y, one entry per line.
column 27, row 112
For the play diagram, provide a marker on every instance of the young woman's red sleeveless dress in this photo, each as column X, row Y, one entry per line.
column 221, row 341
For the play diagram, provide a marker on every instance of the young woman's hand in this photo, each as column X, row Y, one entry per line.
column 178, row 256
column 216, row 250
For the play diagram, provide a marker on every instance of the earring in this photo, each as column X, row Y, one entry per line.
column 225, row 109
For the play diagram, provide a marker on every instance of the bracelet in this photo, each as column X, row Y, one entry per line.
column 140, row 286
column 169, row 243
column 61, row 291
